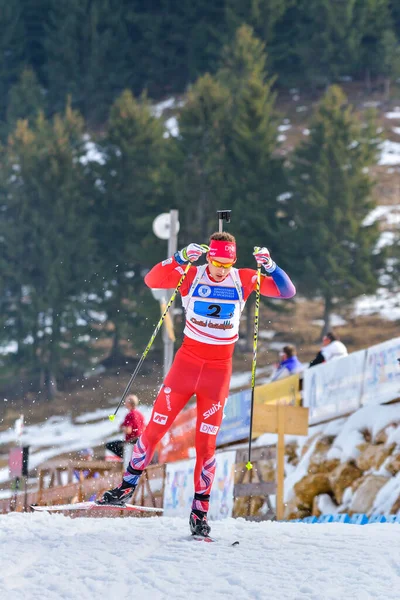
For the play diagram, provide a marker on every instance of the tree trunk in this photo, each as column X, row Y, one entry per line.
column 115, row 344
column 116, row 358
column 327, row 316
column 386, row 92
column 51, row 385
column 115, row 355
column 368, row 81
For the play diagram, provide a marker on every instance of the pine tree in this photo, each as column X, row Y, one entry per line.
column 12, row 48
column 253, row 172
column 35, row 15
column 389, row 52
column 46, row 245
column 374, row 22
column 261, row 15
column 316, row 41
column 200, row 157
column 394, row 8
column 132, row 193
column 333, row 253
column 392, row 270
column 176, row 42
column 26, row 99
column 87, row 48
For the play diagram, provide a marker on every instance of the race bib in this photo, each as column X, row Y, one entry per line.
column 214, row 310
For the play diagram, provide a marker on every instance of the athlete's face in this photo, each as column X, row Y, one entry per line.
column 219, row 267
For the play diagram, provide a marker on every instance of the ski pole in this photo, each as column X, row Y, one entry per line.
column 254, row 362
column 157, row 329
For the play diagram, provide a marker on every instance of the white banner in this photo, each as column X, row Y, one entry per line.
column 179, row 487
column 334, row 388
column 382, row 373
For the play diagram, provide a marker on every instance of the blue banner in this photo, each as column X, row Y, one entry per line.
column 236, row 422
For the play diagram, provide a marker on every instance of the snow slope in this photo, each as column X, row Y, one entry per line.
column 54, row 557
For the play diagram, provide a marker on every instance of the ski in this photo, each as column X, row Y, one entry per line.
column 208, row 539
column 202, row 538
column 95, row 506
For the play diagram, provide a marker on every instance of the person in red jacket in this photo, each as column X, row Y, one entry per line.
column 132, row 426
column 213, row 296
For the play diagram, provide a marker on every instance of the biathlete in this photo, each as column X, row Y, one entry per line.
column 213, row 296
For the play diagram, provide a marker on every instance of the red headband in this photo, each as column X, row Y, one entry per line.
column 221, row 249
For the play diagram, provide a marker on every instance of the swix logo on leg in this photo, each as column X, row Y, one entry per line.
column 212, row 410
column 160, row 419
column 167, row 392
column 210, row 429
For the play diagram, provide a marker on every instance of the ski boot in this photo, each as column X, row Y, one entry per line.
column 118, row 496
column 198, row 523
column 124, row 491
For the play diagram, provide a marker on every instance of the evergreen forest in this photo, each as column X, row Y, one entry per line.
column 87, row 162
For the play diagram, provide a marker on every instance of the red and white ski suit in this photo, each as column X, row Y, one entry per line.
column 203, row 364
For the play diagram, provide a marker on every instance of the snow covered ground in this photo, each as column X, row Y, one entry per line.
column 54, row 557
column 384, row 303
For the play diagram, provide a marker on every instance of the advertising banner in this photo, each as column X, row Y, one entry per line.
column 236, row 422
column 178, row 442
column 283, row 391
column 382, row 373
column 179, row 487
column 334, row 388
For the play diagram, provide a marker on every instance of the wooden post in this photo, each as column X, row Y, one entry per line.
column 280, row 459
column 280, row 419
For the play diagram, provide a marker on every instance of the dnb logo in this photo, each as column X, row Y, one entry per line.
column 159, row 418
column 204, row 291
column 210, row 429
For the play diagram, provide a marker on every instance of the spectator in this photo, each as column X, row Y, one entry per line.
column 80, row 475
column 86, row 454
column 332, row 347
column 289, row 363
column 132, row 426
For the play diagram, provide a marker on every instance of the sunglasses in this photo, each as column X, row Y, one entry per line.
column 219, row 265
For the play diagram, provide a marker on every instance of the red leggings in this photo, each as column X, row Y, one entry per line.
column 209, row 381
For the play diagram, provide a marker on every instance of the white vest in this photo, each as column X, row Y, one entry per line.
column 213, row 308
column 335, row 349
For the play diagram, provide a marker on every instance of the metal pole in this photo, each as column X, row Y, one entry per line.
column 223, row 215
column 172, row 248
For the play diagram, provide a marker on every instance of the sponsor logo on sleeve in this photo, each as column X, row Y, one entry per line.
column 209, row 429
column 159, row 418
column 168, row 261
column 180, row 270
